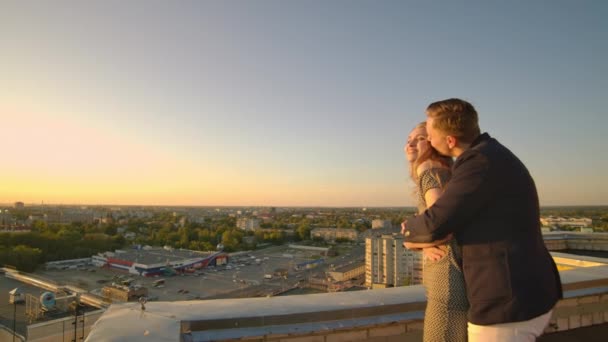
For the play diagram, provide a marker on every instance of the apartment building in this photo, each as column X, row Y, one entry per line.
column 248, row 223
column 389, row 264
column 379, row 224
column 6, row 219
column 558, row 222
column 332, row 234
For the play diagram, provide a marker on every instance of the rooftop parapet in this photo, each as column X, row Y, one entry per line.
column 380, row 314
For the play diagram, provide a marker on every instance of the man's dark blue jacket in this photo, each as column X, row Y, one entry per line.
column 491, row 206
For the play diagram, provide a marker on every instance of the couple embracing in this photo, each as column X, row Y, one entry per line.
column 487, row 272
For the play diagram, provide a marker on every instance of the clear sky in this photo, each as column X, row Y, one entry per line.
column 289, row 103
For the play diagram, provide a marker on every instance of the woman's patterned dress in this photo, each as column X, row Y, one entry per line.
column 445, row 318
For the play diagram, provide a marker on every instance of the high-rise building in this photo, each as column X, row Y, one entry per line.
column 389, row 264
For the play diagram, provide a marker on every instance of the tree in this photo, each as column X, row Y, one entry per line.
column 303, row 231
column 231, row 239
column 111, row 229
column 184, row 237
column 204, row 235
column 26, row 258
column 39, row 226
column 344, row 223
column 194, row 245
column 69, row 234
column 206, row 246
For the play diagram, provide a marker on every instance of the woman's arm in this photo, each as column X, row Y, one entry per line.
column 431, row 250
column 432, row 195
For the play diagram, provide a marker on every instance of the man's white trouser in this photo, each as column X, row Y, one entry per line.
column 526, row 331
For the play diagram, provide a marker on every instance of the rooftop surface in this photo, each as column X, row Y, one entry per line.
column 8, row 310
column 158, row 255
column 350, row 266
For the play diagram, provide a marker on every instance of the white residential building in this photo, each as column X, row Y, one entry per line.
column 6, row 219
column 378, row 224
column 575, row 222
column 389, row 264
column 332, row 234
column 248, row 223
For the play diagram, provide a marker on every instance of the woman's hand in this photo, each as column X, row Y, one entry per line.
column 435, row 253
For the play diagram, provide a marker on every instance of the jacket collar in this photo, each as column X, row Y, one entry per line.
column 480, row 138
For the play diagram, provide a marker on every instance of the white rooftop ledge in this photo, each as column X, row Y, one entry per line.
column 208, row 320
column 161, row 321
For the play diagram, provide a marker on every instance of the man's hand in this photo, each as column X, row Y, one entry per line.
column 412, row 245
column 403, row 227
column 421, row 245
column 435, row 253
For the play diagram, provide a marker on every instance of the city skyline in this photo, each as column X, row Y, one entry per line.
column 289, row 104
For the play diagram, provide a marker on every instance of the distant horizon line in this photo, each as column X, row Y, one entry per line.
column 261, row 206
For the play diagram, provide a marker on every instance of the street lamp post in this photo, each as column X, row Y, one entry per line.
column 75, row 321
column 14, row 321
column 15, row 297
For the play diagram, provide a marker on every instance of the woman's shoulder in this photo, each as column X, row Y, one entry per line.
column 431, row 176
column 429, row 165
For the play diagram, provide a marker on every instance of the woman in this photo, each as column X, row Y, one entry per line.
column 445, row 318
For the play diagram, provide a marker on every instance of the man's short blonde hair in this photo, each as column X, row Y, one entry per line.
column 455, row 117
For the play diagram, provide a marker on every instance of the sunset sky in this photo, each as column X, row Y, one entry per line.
column 289, row 103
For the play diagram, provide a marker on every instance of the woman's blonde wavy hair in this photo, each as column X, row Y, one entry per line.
column 429, row 154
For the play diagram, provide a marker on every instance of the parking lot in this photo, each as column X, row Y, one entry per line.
column 245, row 275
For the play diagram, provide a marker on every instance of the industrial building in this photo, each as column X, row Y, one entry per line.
column 347, row 272
column 40, row 311
column 155, row 261
column 123, row 293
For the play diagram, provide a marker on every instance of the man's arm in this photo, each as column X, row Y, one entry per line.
column 421, row 245
column 462, row 198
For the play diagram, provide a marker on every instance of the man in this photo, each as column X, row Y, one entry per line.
column 491, row 207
